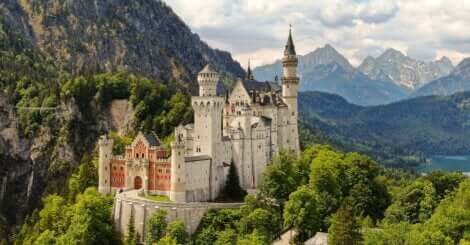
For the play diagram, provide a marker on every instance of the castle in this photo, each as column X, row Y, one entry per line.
column 245, row 127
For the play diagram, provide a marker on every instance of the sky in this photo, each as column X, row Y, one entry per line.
column 257, row 29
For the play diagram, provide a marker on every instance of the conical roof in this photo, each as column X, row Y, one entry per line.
column 209, row 68
column 290, row 47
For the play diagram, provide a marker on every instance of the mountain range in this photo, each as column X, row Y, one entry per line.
column 457, row 81
column 426, row 125
column 390, row 77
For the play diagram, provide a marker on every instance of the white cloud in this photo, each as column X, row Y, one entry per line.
column 425, row 29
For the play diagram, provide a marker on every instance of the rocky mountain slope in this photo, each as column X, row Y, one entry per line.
column 457, row 81
column 51, row 51
column 326, row 70
column 430, row 125
column 403, row 70
column 144, row 37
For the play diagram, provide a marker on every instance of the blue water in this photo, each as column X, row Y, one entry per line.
column 446, row 163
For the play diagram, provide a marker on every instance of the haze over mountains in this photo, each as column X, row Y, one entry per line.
column 390, row 77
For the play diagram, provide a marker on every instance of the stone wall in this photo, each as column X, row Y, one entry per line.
column 191, row 213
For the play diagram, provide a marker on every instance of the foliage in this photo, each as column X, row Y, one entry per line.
column 414, row 204
column 85, row 176
column 232, row 190
column 344, row 229
column 301, row 212
column 177, row 230
column 156, row 227
column 280, row 177
column 119, row 143
column 86, row 221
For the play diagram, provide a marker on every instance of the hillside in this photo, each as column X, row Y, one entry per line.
column 74, row 58
column 457, row 81
column 431, row 125
column 144, row 37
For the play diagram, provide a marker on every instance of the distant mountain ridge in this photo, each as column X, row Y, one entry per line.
column 457, row 81
column 325, row 69
column 431, row 125
column 388, row 78
column 403, row 70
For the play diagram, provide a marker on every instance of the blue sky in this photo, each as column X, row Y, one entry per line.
column 257, row 29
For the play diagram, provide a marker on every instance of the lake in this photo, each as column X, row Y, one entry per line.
column 447, row 163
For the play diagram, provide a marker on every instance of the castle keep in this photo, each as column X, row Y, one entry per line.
column 246, row 127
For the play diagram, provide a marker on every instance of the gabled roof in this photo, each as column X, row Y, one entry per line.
column 152, row 139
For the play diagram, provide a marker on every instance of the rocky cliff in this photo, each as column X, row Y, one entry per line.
column 403, row 70
column 143, row 36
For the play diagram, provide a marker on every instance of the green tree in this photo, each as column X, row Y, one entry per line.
column 226, row 237
column 344, row 229
column 414, row 204
column 166, row 240
column 132, row 235
column 389, row 234
column 301, row 212
column 156, row 226
column 254, row 238
column 280, row 178
column 86, row 176
column 177, row 230
column 232, row 189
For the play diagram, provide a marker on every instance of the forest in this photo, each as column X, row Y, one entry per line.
column 348, row 195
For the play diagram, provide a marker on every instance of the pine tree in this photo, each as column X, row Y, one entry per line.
column 233, row 190
column 344, row 229
column 133, row 237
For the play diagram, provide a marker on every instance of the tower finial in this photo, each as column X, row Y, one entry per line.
column 249, row 73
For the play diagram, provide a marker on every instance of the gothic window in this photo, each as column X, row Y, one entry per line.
column 179, row 166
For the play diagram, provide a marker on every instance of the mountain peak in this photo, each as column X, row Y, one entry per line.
column 445, row 59
column 463, row 68
column 390, row 52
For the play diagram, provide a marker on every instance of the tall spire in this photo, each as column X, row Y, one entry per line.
column 249, row 73
column 290, row 47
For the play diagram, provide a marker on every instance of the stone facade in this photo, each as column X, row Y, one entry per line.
column 246, row 127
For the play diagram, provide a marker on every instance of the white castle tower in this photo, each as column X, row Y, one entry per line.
column 178, row 170
column 105, row 145
column 208, row 109
column 290, row 87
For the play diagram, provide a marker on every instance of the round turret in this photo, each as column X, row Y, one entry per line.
column 207, row 80
column 105, row 145
column 178, row 170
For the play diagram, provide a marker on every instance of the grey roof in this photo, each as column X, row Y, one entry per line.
column 253, row 85
column 209, row 68
column 152, row 139
column 197, row 158
column 290, row 47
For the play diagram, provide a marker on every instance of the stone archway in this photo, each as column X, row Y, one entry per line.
column 137, row 182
